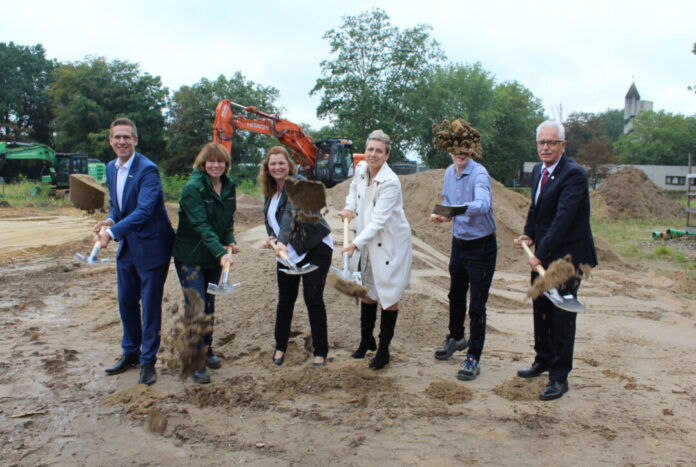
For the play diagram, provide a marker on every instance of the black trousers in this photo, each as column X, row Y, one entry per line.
column 313, row 291
column 554, row 333
column 471, row 267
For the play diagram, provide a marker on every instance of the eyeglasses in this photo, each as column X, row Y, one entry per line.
column 550, row 142
column 122, row 137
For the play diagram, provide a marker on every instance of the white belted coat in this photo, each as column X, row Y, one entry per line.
column 381, row 228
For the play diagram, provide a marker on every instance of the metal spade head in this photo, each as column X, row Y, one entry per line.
column 564, row 302
column 92, row 259
column 294, row 270
column 224, row 288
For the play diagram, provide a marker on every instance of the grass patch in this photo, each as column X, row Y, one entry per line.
column 632, row 239
column 31, row 194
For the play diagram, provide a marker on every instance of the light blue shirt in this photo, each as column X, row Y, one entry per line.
column 473, row 189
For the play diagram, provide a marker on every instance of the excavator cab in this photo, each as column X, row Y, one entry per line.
column 334, row 162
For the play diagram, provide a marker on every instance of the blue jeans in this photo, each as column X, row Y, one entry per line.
column 472, row 265
column 193, row 277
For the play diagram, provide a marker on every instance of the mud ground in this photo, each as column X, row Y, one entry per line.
column 632, row 397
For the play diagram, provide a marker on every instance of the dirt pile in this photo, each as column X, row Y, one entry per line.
column 423, row 190
column 457, row 137
column 86, row 193
column 629, row 193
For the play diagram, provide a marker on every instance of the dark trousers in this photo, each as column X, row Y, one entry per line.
column 137, row 286
column 196, row 278
column 554, row 333
column 313, row 291
column 471, row 268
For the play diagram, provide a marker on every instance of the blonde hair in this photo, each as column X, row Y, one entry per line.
column 212, row 151
column 268, row 183
column 381, row 136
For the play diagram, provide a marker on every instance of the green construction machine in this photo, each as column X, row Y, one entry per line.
column 35, row 161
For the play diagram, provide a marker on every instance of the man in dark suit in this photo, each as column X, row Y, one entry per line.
column 139, row 221
column 558, row 223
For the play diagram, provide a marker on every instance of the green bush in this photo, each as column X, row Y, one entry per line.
column 173, row 186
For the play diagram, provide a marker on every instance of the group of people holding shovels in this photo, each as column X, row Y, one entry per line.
column 204, row 245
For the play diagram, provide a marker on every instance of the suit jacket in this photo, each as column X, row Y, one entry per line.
column 303, row 236
column 559, row 221
column 142, row 225
column 385, row 234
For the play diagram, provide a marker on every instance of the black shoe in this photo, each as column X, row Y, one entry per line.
column 532, row 372
column 212, row 361
column 554, row 390
column 365, row 345
column 278, row 361
column 451, row 345
column 381, row 358
column 124, row 363
column 147, row 374
column 201, row 376
column 471, row 368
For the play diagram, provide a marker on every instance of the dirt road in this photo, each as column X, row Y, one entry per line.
column 632, row 396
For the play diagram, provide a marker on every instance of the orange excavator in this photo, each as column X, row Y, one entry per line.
column 329, row 161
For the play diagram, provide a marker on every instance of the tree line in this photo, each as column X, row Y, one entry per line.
column 377, row 76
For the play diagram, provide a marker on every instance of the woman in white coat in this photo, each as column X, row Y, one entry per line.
column 381, row 247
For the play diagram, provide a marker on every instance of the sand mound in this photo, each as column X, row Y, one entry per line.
column 86, row 193
column 423, row 190
column 630, row 194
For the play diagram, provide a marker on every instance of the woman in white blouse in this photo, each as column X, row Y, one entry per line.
column 381, row 247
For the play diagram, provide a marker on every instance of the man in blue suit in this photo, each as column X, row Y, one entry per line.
column 137, row 220
column 558, row 223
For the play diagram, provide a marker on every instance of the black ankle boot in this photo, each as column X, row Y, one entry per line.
column 386, row 332
column 368, row 316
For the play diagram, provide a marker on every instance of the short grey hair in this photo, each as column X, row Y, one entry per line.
column 379, row 135
column 560, row 130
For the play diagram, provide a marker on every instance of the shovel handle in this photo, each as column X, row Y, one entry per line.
column 346, row 221
column 539, row 268
column 226, row 267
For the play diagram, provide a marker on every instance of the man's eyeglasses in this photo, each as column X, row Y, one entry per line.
column 551, row 142
column 122, row 137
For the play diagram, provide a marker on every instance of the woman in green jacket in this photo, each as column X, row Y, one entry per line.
column 205, row 232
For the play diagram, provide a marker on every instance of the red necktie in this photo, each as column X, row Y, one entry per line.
column 544, row 178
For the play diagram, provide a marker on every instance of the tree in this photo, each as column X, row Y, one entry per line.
column 505, row 114
column 660, row 138
column 582, row 127
column 87, row 96
column 596, row 154
column 375, row 66
column 192, row 113
column 24, row 111
column 453, row 90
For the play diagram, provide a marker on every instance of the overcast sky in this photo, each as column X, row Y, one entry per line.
column 580, row 55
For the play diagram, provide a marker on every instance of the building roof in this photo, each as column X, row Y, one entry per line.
column 633, row 92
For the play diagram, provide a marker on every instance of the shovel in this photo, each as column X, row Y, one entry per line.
column 564, row 302
column 449, row 211
column 92, row 259
column 225, row 288
column 293, row 269
column 350, row 283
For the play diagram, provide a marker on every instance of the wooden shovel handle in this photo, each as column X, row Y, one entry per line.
column 539, row 268
column 226, row 267
column 346, row 221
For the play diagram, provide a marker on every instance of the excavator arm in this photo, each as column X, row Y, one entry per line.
column 289, row 134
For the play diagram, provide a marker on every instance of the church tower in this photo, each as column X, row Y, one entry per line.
column 632, row 106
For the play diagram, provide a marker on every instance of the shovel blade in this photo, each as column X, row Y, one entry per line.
column 300, row 270
column 88, row 260
column 223, row 289
column 564, row 302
